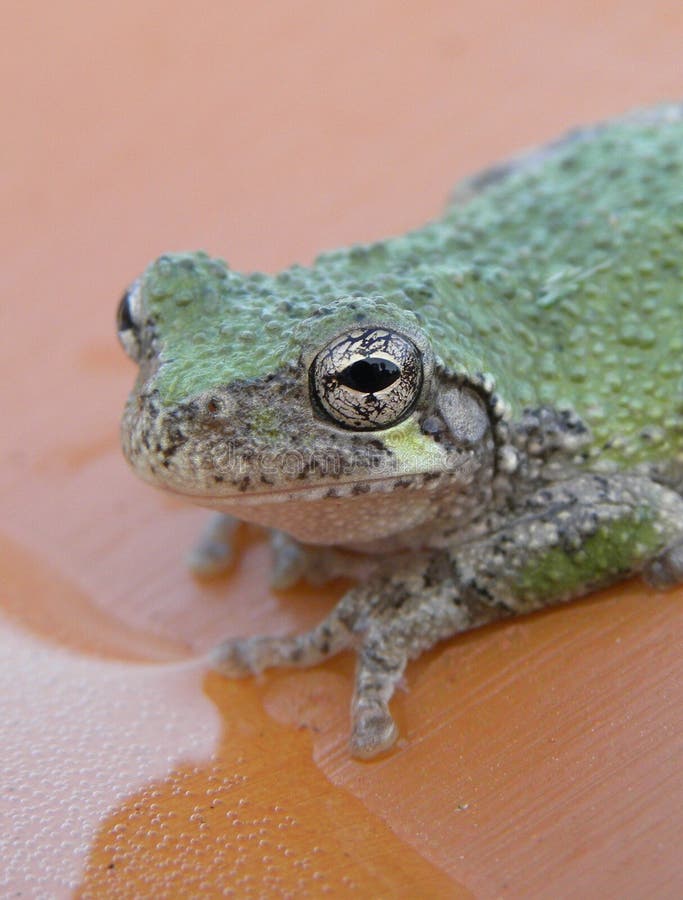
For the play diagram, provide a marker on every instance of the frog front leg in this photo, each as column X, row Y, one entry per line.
column 214, row 554
column 560, row 542
column 396, row 615
column 387, row 620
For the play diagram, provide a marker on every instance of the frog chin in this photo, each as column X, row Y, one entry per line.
column 313, row 517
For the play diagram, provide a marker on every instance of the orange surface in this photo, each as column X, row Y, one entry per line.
column 540, row 758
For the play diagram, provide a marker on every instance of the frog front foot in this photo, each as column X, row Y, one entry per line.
column 214, row 552
column 380, row 666
column 387, row 620
column 294, row 562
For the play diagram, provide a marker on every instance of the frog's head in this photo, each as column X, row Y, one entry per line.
column 280, row 401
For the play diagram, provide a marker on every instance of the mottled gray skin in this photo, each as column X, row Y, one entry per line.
column 476, row 420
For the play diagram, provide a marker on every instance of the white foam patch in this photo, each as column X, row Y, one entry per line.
column 79, row 735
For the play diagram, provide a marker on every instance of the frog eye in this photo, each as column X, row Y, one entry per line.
column 128, row 322
column 368, row 378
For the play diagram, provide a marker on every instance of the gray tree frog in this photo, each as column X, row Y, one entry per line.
column 478, row 419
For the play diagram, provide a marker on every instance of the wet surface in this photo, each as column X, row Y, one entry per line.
column 540, row 758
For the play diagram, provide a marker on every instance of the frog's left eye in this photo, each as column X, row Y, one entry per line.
column 128, row 322
column 368, row 378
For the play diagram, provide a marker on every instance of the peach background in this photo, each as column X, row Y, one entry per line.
column 540, row 758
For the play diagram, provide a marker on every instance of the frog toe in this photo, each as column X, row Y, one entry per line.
column 237, row 658
column 374, row 732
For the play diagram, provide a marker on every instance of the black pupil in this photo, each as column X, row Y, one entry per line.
column 369, row 375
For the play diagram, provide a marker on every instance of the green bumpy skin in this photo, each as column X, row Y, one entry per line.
column 563, row 283
column 475, row 420
column 604, row 555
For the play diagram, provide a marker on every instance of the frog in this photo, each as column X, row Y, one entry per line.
column 472, row 421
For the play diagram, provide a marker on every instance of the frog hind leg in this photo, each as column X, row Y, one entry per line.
column 578, row 535
column 666, row 570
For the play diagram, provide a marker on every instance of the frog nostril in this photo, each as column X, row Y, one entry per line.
column 215, row 410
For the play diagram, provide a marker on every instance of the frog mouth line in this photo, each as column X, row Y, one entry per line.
column 338, row 490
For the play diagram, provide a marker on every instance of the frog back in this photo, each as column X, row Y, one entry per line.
column 561, row 274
